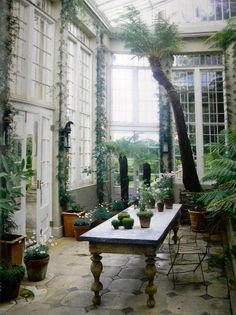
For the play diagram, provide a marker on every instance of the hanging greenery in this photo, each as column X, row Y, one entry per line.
column 69, row 9
column 101, row 119
column 7, row 37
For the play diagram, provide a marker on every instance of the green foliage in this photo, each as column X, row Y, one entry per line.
column 118, row 205
column 102, row 213
column 146, row 194
column 222, row 171
column 145, row 214
column 9, row 273
column 122, row 215
column 101, row 119
column 128, row 223
column 82, row 222
column 116, row 224
column 37, row 251
column 12, row 172
column 224, row 38
column 160, row 40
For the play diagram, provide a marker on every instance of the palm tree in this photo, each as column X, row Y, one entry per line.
column 224, row 38
column 158, row 43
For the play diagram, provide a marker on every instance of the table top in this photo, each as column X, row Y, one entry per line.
column 161, row 224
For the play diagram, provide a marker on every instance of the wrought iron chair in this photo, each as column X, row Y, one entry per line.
column 187, row 255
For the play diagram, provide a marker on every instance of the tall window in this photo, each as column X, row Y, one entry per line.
column 32, row 64
column 19, row 63
column 134, row 107
column 85, row 122
column 202, row 97
column 134, row 92
column 42, row 70
column 79, row 105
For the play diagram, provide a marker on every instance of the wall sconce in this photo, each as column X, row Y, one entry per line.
column 65, row 135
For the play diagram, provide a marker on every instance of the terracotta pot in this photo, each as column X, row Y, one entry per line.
column 160, row 206
column 168, row 203
column 12, row 249
column 36, row 268
column 79, row 230
column 198, row 221
column 151, row 204
column 68, row 221
column 145, row 222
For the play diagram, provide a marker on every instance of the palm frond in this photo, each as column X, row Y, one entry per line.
column 161, row 39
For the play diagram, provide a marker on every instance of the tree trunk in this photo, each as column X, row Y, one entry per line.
column 146, row 174
column 124, row 180
column 190, row 177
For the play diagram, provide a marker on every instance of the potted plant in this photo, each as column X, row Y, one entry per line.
column 123, row 215
column 145, row 218
column 118, row 205
column 128, row 223
column 101, row 214
column 147, row 195
column 11, row 175
column 164, row 184
column 36, row 258
column 81, row 225
column 116, row 224
column 10, row 280
column 72, row 212
column 197, row 213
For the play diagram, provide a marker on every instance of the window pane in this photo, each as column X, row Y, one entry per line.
column 122, row 98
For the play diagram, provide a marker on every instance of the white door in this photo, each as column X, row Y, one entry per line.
column 20, row 152
column 44, row 177
column 35, row 146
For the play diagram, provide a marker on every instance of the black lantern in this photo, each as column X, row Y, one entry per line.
column 65, row 134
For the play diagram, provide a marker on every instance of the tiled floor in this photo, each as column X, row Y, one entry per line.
column 66, row 290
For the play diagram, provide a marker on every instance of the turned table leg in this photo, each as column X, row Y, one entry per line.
column 96, row 269
column 150, row 272
column 175, row 231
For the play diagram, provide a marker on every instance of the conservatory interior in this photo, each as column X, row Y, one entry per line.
column 112, row 113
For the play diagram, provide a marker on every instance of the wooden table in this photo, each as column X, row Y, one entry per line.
column 138, row 241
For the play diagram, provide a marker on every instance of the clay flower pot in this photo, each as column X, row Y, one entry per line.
column 160, row 206
column 36, row 268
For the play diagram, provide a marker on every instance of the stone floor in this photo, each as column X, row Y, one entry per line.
column 66, row 289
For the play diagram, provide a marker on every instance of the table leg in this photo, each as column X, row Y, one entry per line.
column 96, row 269
column 175, row 231
column 150, row 272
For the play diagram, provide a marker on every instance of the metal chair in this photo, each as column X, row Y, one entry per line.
column 187, row 255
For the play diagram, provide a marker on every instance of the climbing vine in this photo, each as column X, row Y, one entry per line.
column 101, row 120
column 69, row 9
column 7, row 37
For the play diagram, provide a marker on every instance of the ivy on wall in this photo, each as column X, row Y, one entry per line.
column 69, row 10
column 101, row 119
column 7, row 36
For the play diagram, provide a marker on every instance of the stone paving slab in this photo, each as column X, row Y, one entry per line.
column 66, row 289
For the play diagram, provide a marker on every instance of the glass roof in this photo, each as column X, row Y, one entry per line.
column 178, row 11
column 111, row 10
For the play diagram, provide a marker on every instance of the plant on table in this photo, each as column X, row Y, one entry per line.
column 163, row 187
column 145, row 217
column 116, row 224
column 147, row 195
column 128, row 223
